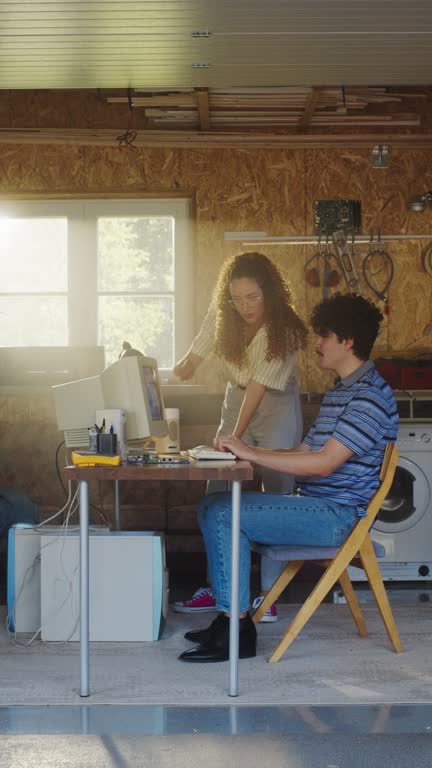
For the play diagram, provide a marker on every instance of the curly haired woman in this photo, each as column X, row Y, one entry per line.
column 254, row 332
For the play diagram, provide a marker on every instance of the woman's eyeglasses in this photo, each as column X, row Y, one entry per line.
column 248, row 301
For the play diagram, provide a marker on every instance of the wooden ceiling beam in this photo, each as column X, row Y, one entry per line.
column 156, row 100
column 212, row 139
column 202, row 97
column 310, row 106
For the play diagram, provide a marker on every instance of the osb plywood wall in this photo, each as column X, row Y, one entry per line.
column 258, row 190
column 233, row 190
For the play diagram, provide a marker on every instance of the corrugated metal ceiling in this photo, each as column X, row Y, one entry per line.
column 153, row 43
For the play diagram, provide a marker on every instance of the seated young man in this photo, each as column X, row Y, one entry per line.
column 338, row 462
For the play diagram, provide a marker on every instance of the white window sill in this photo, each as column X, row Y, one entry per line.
column 181, row 389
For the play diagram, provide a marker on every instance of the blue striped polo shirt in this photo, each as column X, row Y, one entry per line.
column 361, row 413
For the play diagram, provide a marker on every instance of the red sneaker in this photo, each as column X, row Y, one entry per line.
column 271, row 613
column 202, row 600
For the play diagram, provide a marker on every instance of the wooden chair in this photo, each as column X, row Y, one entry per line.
column 358, row 550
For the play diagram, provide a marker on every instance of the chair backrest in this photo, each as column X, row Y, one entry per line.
column 335, row 566
column 387, row 473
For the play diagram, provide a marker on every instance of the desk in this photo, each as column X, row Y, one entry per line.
column 234, row 472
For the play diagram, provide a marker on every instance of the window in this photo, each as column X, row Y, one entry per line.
column 91, row 272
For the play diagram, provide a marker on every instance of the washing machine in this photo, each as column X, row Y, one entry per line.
column 404, row 523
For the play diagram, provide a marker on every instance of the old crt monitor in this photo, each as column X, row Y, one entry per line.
column 131, row 383
column 76, row 404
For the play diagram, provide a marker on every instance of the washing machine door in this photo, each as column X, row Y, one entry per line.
column 407, row 500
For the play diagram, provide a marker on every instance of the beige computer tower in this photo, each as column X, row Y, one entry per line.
column 23, row 578
column 26, row 542
column 128, row 587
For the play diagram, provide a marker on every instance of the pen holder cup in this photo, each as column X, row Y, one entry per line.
column 107, row 443
column 93, row 441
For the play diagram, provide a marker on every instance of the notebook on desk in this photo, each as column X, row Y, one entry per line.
column 206, row 453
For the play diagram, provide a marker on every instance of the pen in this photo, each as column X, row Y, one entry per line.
column 103, row 426
column 98, row 429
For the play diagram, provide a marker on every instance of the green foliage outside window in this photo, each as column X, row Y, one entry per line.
column 136, row 286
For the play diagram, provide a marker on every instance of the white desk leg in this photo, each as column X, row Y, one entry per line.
column 117, row 505
column 84, row 587
column 235, row 589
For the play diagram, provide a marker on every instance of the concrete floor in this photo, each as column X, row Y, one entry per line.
column 329, row 663
column 187, row 737
column 334, row 700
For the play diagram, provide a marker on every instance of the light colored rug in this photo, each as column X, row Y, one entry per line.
column 327, row 664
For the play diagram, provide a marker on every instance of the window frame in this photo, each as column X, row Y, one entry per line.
column 82, row 287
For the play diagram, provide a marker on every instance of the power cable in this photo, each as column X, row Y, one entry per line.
column 60, row 479
column 378, row 271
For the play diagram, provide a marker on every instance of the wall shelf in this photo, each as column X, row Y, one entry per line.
column 245, row 239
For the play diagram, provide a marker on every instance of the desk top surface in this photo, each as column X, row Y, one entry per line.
column 197, row 470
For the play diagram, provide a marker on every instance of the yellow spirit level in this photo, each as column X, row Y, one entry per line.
column 89, row 459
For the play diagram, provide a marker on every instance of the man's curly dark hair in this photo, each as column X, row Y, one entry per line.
column 349, row 316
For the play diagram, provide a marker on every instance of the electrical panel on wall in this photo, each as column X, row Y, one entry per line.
column 333, row 215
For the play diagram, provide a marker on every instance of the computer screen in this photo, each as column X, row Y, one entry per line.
column 153, row 393
column 131, row 383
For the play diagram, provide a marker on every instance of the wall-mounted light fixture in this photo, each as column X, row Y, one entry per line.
column 418, row 203
column 380, row 156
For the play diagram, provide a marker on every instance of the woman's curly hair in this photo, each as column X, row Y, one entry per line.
column 285, row 330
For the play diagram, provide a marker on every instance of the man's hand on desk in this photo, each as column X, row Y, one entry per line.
column 237, row 447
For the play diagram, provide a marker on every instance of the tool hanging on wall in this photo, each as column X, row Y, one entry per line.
column 378, row 270
column 330, row 276
column 345, row 252
column 427, row 260
column 312, row 273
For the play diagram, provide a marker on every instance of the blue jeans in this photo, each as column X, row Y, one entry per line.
column 269, row 519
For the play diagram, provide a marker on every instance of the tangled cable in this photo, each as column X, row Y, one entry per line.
column 127, row 139
column 378, row 270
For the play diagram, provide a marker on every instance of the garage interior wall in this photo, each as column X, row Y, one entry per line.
column 233, row 189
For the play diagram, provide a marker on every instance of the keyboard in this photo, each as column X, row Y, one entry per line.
column 206, row 453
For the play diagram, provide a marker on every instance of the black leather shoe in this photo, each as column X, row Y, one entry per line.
column 201, row 636
column 216, row 648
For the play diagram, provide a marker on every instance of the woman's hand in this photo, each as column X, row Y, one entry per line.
column 237, row 447
column 186, row 367
column 252, row 398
